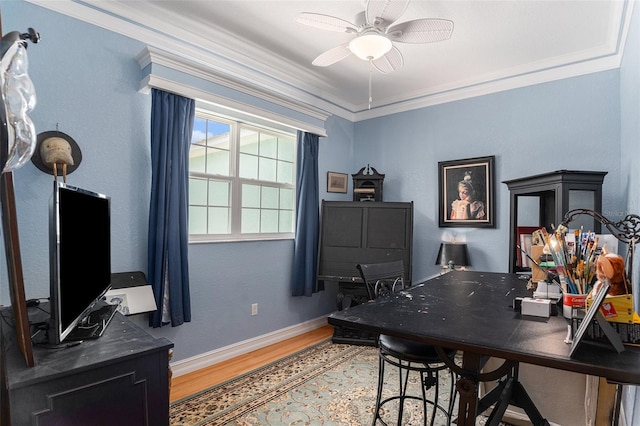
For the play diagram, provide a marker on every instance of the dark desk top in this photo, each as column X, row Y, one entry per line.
column 121, row 339
column 472, row 311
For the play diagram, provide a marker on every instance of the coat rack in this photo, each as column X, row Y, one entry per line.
column 10, row 219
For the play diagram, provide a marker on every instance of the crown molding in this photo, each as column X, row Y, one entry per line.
column 154, row 81
column 606, row 57
column 226, row 56
column 244, row 66
column 481, row 88
column 151, row 55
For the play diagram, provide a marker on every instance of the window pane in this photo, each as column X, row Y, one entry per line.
column 251, row 196
column 218, row 134
column 250, row 221
column 286, row 149
column 268, row 145
column 197, row 158
column 269, row 197
column 267, row 169
column 286, row 221
column 285, row 172
column 199, row 134
column 286, row 198
column 217, row 162
column 248, row 141
column 219, row 193
column 269, row 221
column 220, row 142
column 198, row 191
column 248, row 166
column 219, row 220
column 197, row 220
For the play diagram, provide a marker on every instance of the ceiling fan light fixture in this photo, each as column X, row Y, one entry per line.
column 370, row 46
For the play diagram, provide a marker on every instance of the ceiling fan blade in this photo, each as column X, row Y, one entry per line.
column 391, row 61
column 332, row 56
column 326, row 22
column 385, row 12
column 426, row 30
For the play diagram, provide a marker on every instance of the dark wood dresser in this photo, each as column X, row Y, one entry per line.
column 122, row 378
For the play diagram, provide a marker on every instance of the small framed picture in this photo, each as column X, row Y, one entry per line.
column 466, row 193
column 337, row 182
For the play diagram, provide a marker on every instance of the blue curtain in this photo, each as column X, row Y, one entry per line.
column 171, row 127
column 307, row 217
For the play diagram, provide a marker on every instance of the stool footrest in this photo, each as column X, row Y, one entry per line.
column 429, row 372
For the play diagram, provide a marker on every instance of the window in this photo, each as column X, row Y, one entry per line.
column 241, row 181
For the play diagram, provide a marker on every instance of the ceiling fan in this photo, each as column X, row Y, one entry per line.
column 376, row 34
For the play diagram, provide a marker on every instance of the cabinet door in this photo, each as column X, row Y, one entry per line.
column 363, row 232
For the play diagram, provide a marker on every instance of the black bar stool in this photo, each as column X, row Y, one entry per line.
column 382, row 280
column 408, row 356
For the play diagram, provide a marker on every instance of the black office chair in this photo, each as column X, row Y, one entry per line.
column 383, row 280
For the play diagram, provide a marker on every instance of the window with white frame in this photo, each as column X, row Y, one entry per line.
column 241, row 181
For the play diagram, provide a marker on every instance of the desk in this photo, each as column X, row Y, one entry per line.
column 471, row 312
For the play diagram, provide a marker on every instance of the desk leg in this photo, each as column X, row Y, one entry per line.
column 510, row 391
column 467, row 387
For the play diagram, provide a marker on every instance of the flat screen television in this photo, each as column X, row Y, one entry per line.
column 80, row 256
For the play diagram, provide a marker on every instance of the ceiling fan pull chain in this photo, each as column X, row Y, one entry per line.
column 370, row 75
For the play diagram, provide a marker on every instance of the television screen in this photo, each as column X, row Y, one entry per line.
column 80, row 249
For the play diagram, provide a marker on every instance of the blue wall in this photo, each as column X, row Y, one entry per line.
column 87, row 82
column 630, row 150
column 87, row 79
column 630, row 115
column 568, row 124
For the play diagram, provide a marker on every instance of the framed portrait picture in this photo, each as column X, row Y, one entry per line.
column 337, row 182
column 466, row 193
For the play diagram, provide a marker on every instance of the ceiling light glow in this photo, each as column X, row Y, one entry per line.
column 370, row 47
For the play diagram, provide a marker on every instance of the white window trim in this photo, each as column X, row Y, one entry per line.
column 236, row 183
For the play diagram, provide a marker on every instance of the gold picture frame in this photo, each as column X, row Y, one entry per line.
column 337, row 182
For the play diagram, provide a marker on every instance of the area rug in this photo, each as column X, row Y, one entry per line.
column 327, row 384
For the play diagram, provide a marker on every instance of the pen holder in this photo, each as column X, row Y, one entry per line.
column 571, row 302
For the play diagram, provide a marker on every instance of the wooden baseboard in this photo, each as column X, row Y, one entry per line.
column 207, row 359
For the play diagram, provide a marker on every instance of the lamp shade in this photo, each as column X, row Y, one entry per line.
column 453, row 254
column 370, row 46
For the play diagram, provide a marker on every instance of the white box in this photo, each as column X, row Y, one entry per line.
column 547, row 291
column 132, row 300
column 536, row 307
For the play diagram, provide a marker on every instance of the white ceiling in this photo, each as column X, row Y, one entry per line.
column 495, row 45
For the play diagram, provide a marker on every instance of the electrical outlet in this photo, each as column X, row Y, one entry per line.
column 254, row 309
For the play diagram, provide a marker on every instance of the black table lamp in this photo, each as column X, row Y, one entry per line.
column 452, row 255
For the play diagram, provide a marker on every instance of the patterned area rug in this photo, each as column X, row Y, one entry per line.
column 326, row 384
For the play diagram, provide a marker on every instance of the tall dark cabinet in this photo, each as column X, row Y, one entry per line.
column 361, row 232
column 545, row 198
